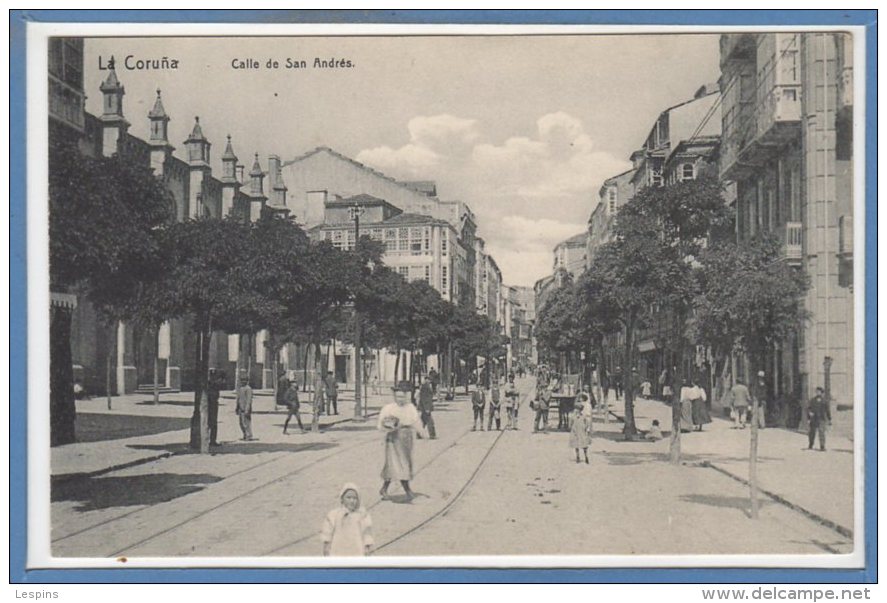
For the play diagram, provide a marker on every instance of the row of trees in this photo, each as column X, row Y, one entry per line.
column 674, row 253
column 114, row 240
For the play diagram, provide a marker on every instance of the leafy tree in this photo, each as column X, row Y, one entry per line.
column 750, row 299
column 106, row 216
column 666, row 227
column 208, row 282
column 633, row 272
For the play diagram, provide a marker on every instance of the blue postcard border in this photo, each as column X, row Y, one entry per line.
column 18, row 300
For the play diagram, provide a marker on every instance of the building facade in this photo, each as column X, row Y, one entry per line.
column 570, row 255
column 130, row 351
column 787, row 145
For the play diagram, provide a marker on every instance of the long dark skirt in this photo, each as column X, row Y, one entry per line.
column 398, row 454
column 700, row 412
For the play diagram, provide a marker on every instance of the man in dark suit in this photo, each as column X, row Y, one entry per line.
column 426, row 406
column 819, row 416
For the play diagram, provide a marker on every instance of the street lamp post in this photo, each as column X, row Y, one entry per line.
column 355, row 212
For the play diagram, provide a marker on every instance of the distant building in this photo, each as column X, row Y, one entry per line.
column 613, row 194
column 569, row 255
column 787, row 118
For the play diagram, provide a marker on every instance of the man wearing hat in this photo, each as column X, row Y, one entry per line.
column 244, row 408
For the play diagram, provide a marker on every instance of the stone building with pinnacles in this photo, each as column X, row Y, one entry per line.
column 197, row 192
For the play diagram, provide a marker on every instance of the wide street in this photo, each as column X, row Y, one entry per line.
column 510, row 492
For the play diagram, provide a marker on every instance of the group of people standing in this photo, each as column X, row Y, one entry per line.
column 511, row 401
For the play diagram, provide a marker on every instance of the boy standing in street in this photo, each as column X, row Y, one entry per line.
column 495, row 408
column 478, row 401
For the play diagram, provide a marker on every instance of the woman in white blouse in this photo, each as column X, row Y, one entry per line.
column 399, row 420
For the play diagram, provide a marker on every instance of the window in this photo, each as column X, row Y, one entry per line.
column 611, row 200
column 404, row 271
column 428, row 274
column 655, row 179
column 443, row 279
column 688, row 172
column 443, row 242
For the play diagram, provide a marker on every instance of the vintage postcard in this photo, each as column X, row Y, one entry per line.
column 445, row 296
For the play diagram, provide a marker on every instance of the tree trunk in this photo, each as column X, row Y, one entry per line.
column 62, row 409
column 753, row 448
column 157, row 366
column 305, row 367
column 317, row 395
column 396, row 366
column 112, row 351
column 674, row 447
column 238, row 364
column 200, row 418
column 629, row 430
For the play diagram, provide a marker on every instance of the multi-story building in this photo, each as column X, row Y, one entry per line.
column 132, row 351
column 570, row 254
column 787, row 145
column 681, row 145
column 417, row 247
column 613, row 194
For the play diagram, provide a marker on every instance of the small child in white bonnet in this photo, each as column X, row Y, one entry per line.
column 347, row 529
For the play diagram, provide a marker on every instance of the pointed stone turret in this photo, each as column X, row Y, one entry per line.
column 198, row 146
column 198, row 165
column 277, row 202
column 256, row 192
column 257, row 177
column 229, row 163
column 159, row 141
column 230, row 182
column 114, row 124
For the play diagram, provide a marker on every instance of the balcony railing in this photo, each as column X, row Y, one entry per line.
column 793, row 242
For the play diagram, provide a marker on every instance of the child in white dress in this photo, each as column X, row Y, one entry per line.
column 347, row 529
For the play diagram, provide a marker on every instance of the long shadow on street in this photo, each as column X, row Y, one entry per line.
column 105, row 492
column 239, row 447
column 94, row 427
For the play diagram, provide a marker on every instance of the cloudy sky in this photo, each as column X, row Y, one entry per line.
column 523, row 129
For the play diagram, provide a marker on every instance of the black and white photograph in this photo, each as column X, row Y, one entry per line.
column 565, row 297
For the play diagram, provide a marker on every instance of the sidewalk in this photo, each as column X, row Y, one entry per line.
column 136, row 431
column 817, row 483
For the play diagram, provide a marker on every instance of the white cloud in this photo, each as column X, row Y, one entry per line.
column 529, row 191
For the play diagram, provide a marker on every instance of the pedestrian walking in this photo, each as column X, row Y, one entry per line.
column 283, row 386
column 213, row 392
column 400, row 421
column 819, row 417
column 617, row 382
column 646, row 388
column 495, row 408
column 434, row 379
column 478, row 402
column 291, row 400
column 739, row 403
column 347, row 530
column 688, row 392
column 244, row 408
column 512, row 401
column 426, row 406
column 699, row 406
column 580, row 431
column 331, row 390
column 543, row 399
